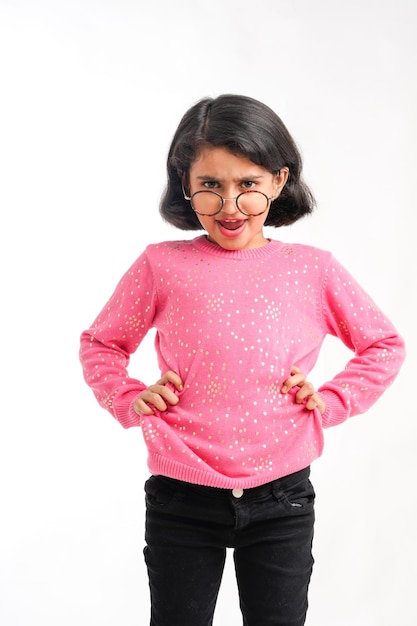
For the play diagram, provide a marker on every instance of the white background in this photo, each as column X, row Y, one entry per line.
column 91, row 94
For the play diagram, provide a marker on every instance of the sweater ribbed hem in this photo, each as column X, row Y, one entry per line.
column 160, row 465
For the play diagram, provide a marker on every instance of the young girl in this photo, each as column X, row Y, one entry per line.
column 233, row 424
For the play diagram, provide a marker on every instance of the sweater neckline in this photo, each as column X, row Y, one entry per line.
column 202, row 243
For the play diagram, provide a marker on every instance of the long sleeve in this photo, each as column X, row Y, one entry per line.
column 352, row 316
column 115, row 335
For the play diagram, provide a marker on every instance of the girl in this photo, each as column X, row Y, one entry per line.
column 233, row 424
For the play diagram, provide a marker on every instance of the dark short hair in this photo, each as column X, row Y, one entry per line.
column 245, row 127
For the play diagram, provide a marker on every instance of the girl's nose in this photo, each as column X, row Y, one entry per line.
column 229, row 206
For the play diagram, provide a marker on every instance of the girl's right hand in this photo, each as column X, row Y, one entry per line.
column 158, row 395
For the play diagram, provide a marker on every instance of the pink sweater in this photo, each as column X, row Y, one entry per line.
column 232, row 324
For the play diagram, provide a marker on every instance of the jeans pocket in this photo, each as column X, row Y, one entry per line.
column 297, row 498
column 160, row 491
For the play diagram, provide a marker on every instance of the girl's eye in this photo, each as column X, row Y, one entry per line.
column 248, row 184
column 211, row 184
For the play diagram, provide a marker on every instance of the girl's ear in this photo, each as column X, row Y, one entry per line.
column 281, row 178
column 183, row 176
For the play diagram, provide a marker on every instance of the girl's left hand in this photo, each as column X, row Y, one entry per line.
column 306, row 392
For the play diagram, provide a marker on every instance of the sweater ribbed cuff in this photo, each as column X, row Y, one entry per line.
column 336, row 410
column 124, row 412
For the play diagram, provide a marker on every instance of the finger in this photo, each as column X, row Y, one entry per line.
column 316, row 402
column 168, row 395
column 305, row 391
column 312, row 401
column 142, row 408
column 158, row 396
column 171, row 377
column 296, row 379
column 149, row 400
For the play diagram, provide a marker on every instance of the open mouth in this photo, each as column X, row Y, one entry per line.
column 231, row 224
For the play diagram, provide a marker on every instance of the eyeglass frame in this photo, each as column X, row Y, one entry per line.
column 223, row 200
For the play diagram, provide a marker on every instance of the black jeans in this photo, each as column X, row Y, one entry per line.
column 189, row 527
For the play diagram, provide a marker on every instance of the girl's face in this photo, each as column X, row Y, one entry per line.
column 217, row 169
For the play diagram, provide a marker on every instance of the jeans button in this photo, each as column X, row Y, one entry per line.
column 237, row 493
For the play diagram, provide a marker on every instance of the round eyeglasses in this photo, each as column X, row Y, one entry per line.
column 250, row 203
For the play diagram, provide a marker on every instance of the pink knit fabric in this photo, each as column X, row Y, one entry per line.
column 232, row 324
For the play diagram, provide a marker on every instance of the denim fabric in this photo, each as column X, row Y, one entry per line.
column 189, row 527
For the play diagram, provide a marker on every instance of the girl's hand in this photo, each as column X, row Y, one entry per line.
column 158, row 395
column 306, row 392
